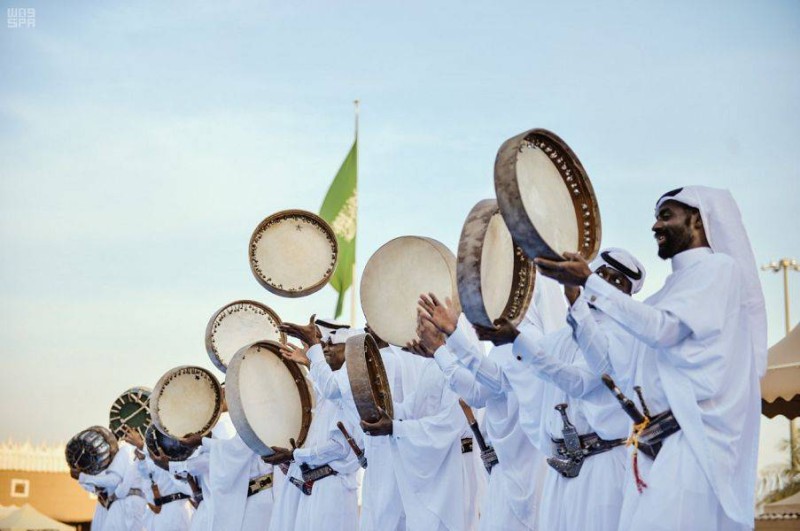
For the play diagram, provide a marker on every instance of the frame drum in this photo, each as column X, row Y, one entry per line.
column 92, row 450
column 172, row 448
column 238, row 324
column 495, row 278
column 367, row 376
column 394, row 278
column 545, row 197
column 131, row 409
column 293, row 253
column 186, row 401
column 269, row 398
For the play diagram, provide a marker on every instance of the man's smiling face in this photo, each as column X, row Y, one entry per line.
column 674, row 229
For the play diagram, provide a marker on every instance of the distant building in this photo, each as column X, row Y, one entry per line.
column 39, row 475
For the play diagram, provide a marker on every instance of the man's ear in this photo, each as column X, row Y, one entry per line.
column 698, row 221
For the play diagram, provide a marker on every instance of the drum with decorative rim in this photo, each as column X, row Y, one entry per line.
column 394, row 278
column 269, row 398
column 239, row 324
column 92, row 450
column 367, row 375
column 131, row 409
column 293, row 253
column 495, row 277
column 173, row 449
column 545, row 196
column 186, row 401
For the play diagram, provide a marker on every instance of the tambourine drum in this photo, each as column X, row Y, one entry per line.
column 131, row 409
column 239, row 324
column 269, row 398
column 367, row 377
column 293, row 253
column 159, row 443
column 394, row 278
column 545, row 196
column 186, row 401
column 92, row 450
column 495, row 277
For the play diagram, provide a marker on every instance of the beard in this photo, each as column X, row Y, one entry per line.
column 676, row 240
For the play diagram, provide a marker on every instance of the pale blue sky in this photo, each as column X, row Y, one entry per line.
column 141, row 142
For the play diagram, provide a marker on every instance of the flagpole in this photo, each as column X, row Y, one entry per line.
column 354, row 283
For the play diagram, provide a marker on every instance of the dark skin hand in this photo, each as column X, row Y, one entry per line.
column 429, row 335
column 417, row 348
column 382, row 426
column 573, row 271
column 281, row 455
column 503, row 333
column 572, row 293
column 74, row 473
column 296, row 354
column 133, row 437
column 193, row 440
column 309, row 334
column 443, row 316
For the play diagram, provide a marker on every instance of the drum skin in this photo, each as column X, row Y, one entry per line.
column 545, row 196
column 394, row 278
column 368, row 380
column 269, row 398
column 92, row 450
column 186, row 401
column 173, row 449
column 293, row 253
column 238, row 324
column 495, row 277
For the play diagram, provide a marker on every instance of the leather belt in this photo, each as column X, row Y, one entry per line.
column 659, row 428
column 259, row 483
column 169, row 498
column 315, row 474
column 591, row 443
column 466, row 445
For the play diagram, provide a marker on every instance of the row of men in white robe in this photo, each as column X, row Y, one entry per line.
column 696, row 347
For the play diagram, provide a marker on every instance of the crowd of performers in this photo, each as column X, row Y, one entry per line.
column 673, row 447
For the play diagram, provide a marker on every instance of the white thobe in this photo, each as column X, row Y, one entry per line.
column 691, row 352
column 128, row 512
column 426, row 449
column 511, row 497
column 86, row 481
column 175, row 515
column 333, row 503
column 593, row 500
column 197, row 465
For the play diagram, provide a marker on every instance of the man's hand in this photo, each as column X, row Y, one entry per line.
column 415, row 347
column 160, row 460
column 281, row 455
column 132, row 436
column 193, row 440
column 74, row 473
column 430, row 337
column 383, row 426
column 296, row 354
column 308, row 334
column 443, row 316
column 503, row 333
column 572, row 272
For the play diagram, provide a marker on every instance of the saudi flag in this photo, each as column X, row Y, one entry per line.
column 340, row 209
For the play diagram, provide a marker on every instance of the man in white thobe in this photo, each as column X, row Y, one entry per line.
column 333, row 501
column 484, row 381
column 696, row 348
column 593, row 499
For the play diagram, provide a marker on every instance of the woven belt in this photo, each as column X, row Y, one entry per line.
column 466, row 445
column 258, row 484
column 316, row 474
column 591, row 443
column 169, row 498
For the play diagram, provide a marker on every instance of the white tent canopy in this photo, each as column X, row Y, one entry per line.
column 26, row 518
column 780, row 387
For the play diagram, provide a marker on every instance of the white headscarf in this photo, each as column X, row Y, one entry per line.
column 726, row 234
column 328, row 331
column 624, row 262
column 341, row 335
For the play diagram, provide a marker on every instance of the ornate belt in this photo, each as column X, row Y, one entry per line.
column 259, row 483
column 466, row 445
column 591, row 443
column 169, row 498
column 658, row 428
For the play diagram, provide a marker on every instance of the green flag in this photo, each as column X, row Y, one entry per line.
column 340, row 209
